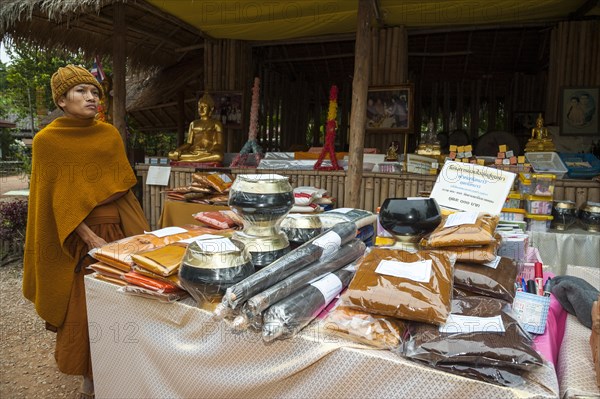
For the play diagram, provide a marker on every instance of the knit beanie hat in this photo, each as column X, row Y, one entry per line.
column 70, row 76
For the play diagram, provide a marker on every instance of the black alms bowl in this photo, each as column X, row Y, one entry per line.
column 409, row 218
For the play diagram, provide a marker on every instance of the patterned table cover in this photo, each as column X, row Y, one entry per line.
column 145, row 349
column 575, row 368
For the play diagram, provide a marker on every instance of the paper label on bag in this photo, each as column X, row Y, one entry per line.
column 456, row 219
column 351, row 267
column 417, row 271
column 343, row 210
column 494, row 263
column 198, row 238
column 330, row 242
column 217, row 245
column 470, row 324
column 167, row 231
column 330, row 286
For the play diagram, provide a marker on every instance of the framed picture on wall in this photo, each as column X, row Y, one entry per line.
column 579, row 111
column 228, row 108
column 390, row 109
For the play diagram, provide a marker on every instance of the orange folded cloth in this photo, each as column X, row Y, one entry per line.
column 118, row 253
column 108, row 279
column 150, row 283
column 106, row 270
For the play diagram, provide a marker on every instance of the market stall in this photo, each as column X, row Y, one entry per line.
column 143, row 348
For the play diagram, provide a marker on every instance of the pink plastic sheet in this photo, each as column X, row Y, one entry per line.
column 548, row 343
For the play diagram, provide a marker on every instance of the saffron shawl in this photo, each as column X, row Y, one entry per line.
column 76, row 165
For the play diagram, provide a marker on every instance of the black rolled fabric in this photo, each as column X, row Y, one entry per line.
column 576, row 296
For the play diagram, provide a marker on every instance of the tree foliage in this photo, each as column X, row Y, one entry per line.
column 26, row 80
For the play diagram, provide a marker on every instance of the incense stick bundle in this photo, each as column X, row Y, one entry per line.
column 292, row 314
column 254, row 307
column 319, row 247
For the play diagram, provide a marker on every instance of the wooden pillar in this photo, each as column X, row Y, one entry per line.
column 119, row 70
column 360, row 85
column 180, row 118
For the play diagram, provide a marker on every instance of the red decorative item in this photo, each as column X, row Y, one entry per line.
column 329, row 147
column 251, row 146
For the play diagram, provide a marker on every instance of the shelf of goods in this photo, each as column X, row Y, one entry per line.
column 375, row 189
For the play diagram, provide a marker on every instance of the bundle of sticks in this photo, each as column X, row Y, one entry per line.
column 210, row 188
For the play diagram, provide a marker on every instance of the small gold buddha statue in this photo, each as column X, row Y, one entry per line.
column 205, row 137
column 392, row 152
column 540, row 137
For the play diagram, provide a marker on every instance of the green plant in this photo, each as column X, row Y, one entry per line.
column 13, row 222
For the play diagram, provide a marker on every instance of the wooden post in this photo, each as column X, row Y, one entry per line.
column 180, row 118
column 119, row 70
column 360, row 85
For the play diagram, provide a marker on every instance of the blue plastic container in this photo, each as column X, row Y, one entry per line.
column 577, row 165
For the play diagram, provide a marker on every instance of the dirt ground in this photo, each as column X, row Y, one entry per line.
column 27, row 366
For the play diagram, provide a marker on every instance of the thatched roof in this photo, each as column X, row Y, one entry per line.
column 154, row 38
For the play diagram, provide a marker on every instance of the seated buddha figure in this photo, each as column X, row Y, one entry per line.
column 540, row 137
column 205, row 137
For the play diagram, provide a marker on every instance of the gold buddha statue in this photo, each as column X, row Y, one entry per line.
column 392, row 152
column 205, row 137
column 540, row 137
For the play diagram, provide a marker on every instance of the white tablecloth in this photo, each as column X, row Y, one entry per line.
column 145, row 349
column 570, row 247
column 575, row 367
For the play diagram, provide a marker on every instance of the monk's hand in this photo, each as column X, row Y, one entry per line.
column 95, row 242
column 89, row 237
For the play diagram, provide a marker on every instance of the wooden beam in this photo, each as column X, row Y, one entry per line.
column 180, row 118
column 119, row 59
column 360, row 85
column 190, row 48
column 310, row 58
column 345, row 37
column 583, row 9
column 377, row 13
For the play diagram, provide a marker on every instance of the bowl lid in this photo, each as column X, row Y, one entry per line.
column 294, row 221
column 591, row 206
column 268, row 183
column 564, row 204
column 215, row 254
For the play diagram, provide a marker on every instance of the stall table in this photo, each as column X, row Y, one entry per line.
column 575, row 367
column 144, row 348
column 179, row 213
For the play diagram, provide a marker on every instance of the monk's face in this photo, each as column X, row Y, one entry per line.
column 81, row 101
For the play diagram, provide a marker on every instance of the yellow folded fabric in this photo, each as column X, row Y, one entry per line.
column 164, row 261
column 118, row 253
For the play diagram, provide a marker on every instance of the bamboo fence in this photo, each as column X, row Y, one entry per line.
column 375, row 187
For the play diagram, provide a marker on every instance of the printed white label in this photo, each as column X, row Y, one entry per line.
column 167, row 231
column 343, row 210
column 263, row 177
column 351, row 267
column 471, row 324
column 456, row 219
column 158, row 175
column 330, row 242
column 225, row 178
column 330, row 286
column 198, row 238
column 494, row 263
column 417, row 271
column 217, row 245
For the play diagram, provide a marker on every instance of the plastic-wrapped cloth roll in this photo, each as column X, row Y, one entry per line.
column 319, row 247
column 292, row 314
column 350, row 252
